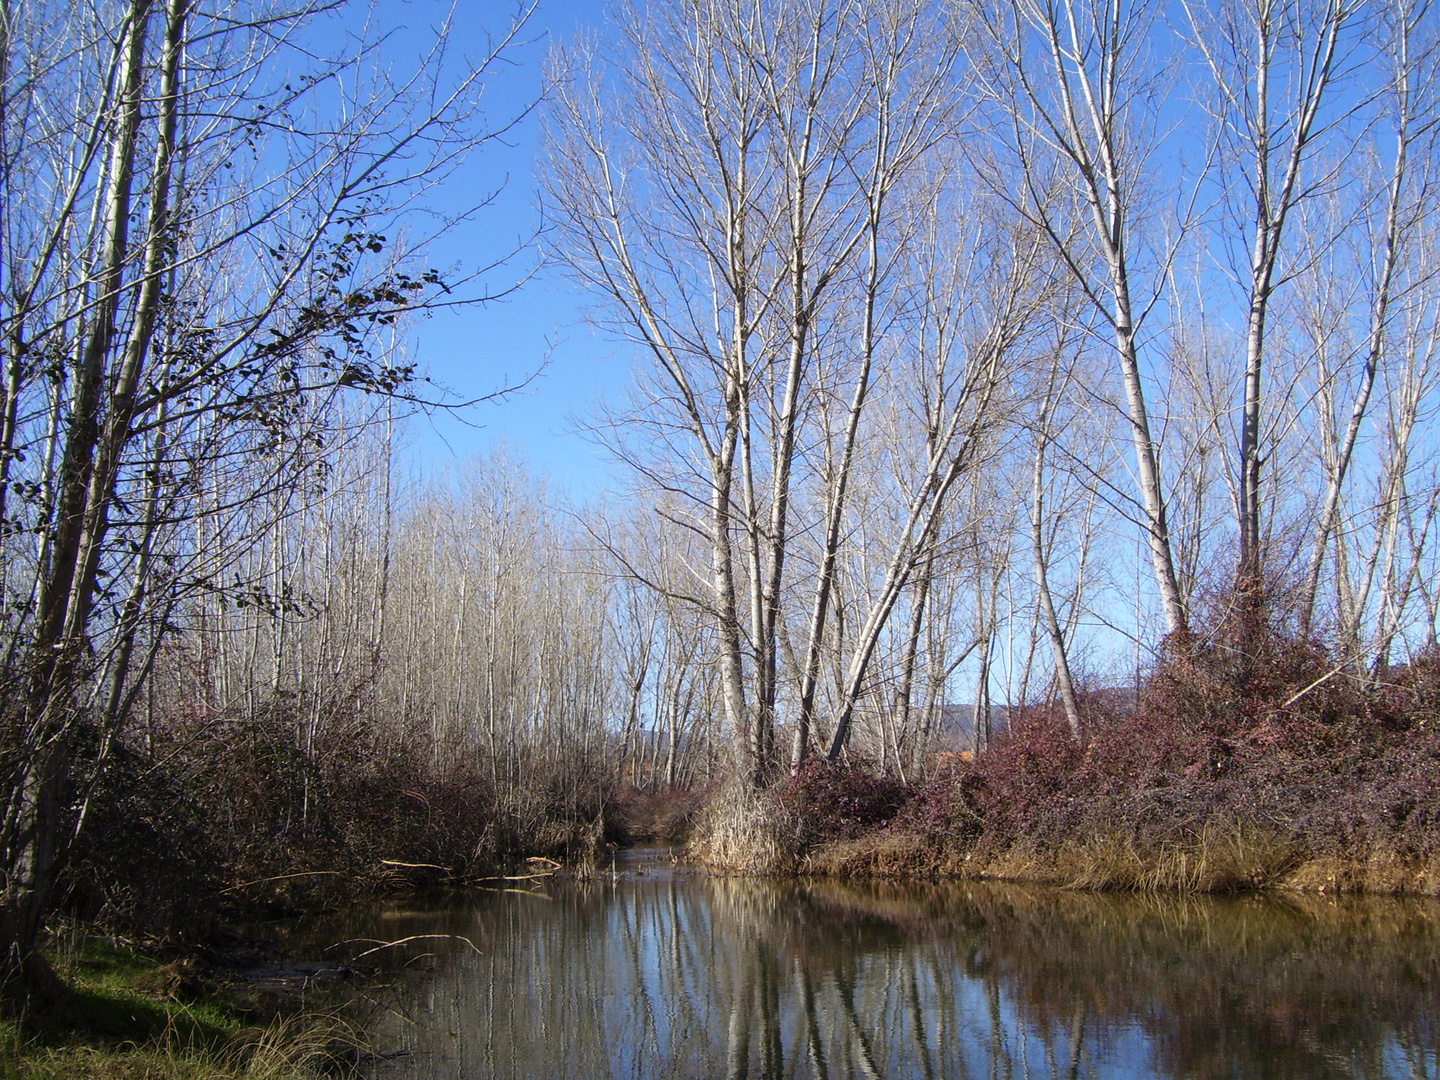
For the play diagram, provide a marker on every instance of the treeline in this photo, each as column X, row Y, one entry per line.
column 1072, row 357
column 420, row 684
column 1004, row 333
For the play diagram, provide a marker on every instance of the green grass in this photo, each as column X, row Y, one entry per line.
column 129, row 1017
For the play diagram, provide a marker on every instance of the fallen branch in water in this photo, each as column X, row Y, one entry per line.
column 516, row 877
column 380, row 946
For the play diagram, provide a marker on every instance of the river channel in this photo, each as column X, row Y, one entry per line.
column 653, row 971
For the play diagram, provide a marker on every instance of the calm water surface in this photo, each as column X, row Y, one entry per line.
column 653, row 972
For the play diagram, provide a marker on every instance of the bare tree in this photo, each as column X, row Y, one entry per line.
column 1050, row 619
column 1274, row 67
column 1074, row 82
column 729, row 192
column 1407, row 118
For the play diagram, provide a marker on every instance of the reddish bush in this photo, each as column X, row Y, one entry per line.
column 839, row 802
column 1284, row 738
column 1027, row 776
column 945, row 810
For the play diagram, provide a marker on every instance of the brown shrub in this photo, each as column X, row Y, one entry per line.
column 219, row 815
column 743, row 831
column 664, row 816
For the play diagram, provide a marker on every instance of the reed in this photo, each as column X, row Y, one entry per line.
column 1219, row 858
column 744, row 832
column 1381, row 870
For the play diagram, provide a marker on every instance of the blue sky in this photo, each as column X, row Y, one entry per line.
column 474, row 350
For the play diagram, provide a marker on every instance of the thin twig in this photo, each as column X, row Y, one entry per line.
column 1323, row 679
column 282, row 877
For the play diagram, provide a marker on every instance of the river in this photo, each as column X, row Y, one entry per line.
column 654, row 971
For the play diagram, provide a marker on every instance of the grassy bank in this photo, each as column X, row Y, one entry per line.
column 1218, row 862
column 1278, row 768
column 125, row 1014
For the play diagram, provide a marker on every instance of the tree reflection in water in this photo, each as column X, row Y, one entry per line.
column 658, row 976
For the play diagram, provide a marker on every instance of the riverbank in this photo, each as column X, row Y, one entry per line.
column 1216, row 863
column 1217, row 858
column 127, row 1013
column 1285, row 772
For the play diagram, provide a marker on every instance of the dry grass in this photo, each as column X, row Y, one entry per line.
column 1221, row 859
column 742, row 832
column 306, row 1049
column 1383, row 872
column 884, row 854
column 297, row 1048
column 1218, row 860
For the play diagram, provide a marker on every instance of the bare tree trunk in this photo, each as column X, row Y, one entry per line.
column 36, row 831
column 1089, row 51
column 1042, row 579
column 1273, row 203
column 732, row 672
column 905, row 690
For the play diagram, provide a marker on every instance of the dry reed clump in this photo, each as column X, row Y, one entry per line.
column 745, row 832
column 1220, row 858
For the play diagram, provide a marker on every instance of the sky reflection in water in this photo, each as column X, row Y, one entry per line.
column 652, row 974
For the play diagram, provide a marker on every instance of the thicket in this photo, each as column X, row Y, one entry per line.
column 223, row 821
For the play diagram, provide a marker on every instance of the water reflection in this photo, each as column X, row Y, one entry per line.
column 651, row 975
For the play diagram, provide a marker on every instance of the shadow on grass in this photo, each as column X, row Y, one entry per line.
column 110, row 1018
column 113, row 997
